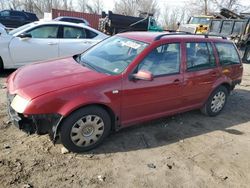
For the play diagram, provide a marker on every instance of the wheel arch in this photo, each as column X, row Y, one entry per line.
column 114, row 118
column 226, row 85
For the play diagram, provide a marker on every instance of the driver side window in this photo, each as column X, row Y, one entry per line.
column 163, row 60
column 49, row 31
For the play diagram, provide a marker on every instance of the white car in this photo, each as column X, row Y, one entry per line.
column 40, row 41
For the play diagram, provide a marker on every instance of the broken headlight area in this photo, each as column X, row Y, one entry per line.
column 39, row 124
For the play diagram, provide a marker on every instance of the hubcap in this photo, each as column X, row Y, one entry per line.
column 87, row 130
column 218, row 102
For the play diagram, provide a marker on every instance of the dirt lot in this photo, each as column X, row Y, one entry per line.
column 187, row 150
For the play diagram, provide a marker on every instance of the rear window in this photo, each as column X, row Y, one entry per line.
column 228, row 54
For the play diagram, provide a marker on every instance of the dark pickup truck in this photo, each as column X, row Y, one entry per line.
column 14, row 18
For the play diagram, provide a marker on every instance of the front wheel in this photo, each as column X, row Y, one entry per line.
column 216, row 102
column 85, row 129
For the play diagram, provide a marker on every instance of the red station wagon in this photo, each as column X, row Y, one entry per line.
column 126, row 79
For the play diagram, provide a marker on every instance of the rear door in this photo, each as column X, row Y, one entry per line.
column 42, row 46
column 201, row 73
column 75, row 40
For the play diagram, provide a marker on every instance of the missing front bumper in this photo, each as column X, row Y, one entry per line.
column 39, row 124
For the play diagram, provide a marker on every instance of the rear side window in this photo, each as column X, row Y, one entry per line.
column 19, row 14
column 227, row 53
column 77, row 33
column 74, row 33
column 199, row 56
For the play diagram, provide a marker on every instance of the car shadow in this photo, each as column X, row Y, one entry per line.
column 6, row 73
column 164, row 131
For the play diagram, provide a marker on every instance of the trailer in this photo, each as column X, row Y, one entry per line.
column 112, row 24
column 236, row 29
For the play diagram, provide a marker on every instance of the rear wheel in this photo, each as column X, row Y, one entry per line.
column 85, row 129
column 216, row 102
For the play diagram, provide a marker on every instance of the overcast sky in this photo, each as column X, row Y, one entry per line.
column 109, row 4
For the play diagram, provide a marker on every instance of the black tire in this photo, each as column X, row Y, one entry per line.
column 209, row 109
column 67, row 134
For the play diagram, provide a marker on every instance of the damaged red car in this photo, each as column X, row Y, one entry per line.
column 126, row 79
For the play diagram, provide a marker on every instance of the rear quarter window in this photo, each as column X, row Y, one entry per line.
column 228, row 54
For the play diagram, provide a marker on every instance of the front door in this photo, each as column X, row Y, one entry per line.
column 42, row 46
column 143, row 100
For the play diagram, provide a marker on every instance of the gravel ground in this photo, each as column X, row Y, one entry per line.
column 186, row 150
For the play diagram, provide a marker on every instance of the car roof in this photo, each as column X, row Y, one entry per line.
column 52, row 22
column 71, row 17
column 17, row 11
column 150, row 37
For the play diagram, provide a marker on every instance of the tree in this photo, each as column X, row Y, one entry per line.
column 97, row 6
column 82, row 4
column 233, row 5
column 132, row 7
column 173, row 16
column 200, row 7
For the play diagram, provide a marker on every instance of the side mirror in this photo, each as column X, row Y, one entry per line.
column 143, row 75
column 25, row 35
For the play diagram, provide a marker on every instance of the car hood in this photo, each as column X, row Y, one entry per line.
column 38, row 79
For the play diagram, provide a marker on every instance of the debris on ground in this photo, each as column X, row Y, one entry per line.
column 64, row 150
column 169, row 166
column 225, row 178
column 151, row 165
column 27, row 186
column 101, row 178
column 6, row 146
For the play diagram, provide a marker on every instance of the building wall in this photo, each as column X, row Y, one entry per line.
column 93, row 19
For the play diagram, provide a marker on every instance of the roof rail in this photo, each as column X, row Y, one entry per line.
column 185, row 33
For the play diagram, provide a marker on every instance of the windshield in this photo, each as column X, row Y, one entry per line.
column 113, row 55
column 199, row 20
column 14, row 31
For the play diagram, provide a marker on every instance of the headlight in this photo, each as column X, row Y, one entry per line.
column 19, row 104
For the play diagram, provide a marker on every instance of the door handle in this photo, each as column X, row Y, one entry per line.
column 177, row 81
column 87, row 42
column 52, row 43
